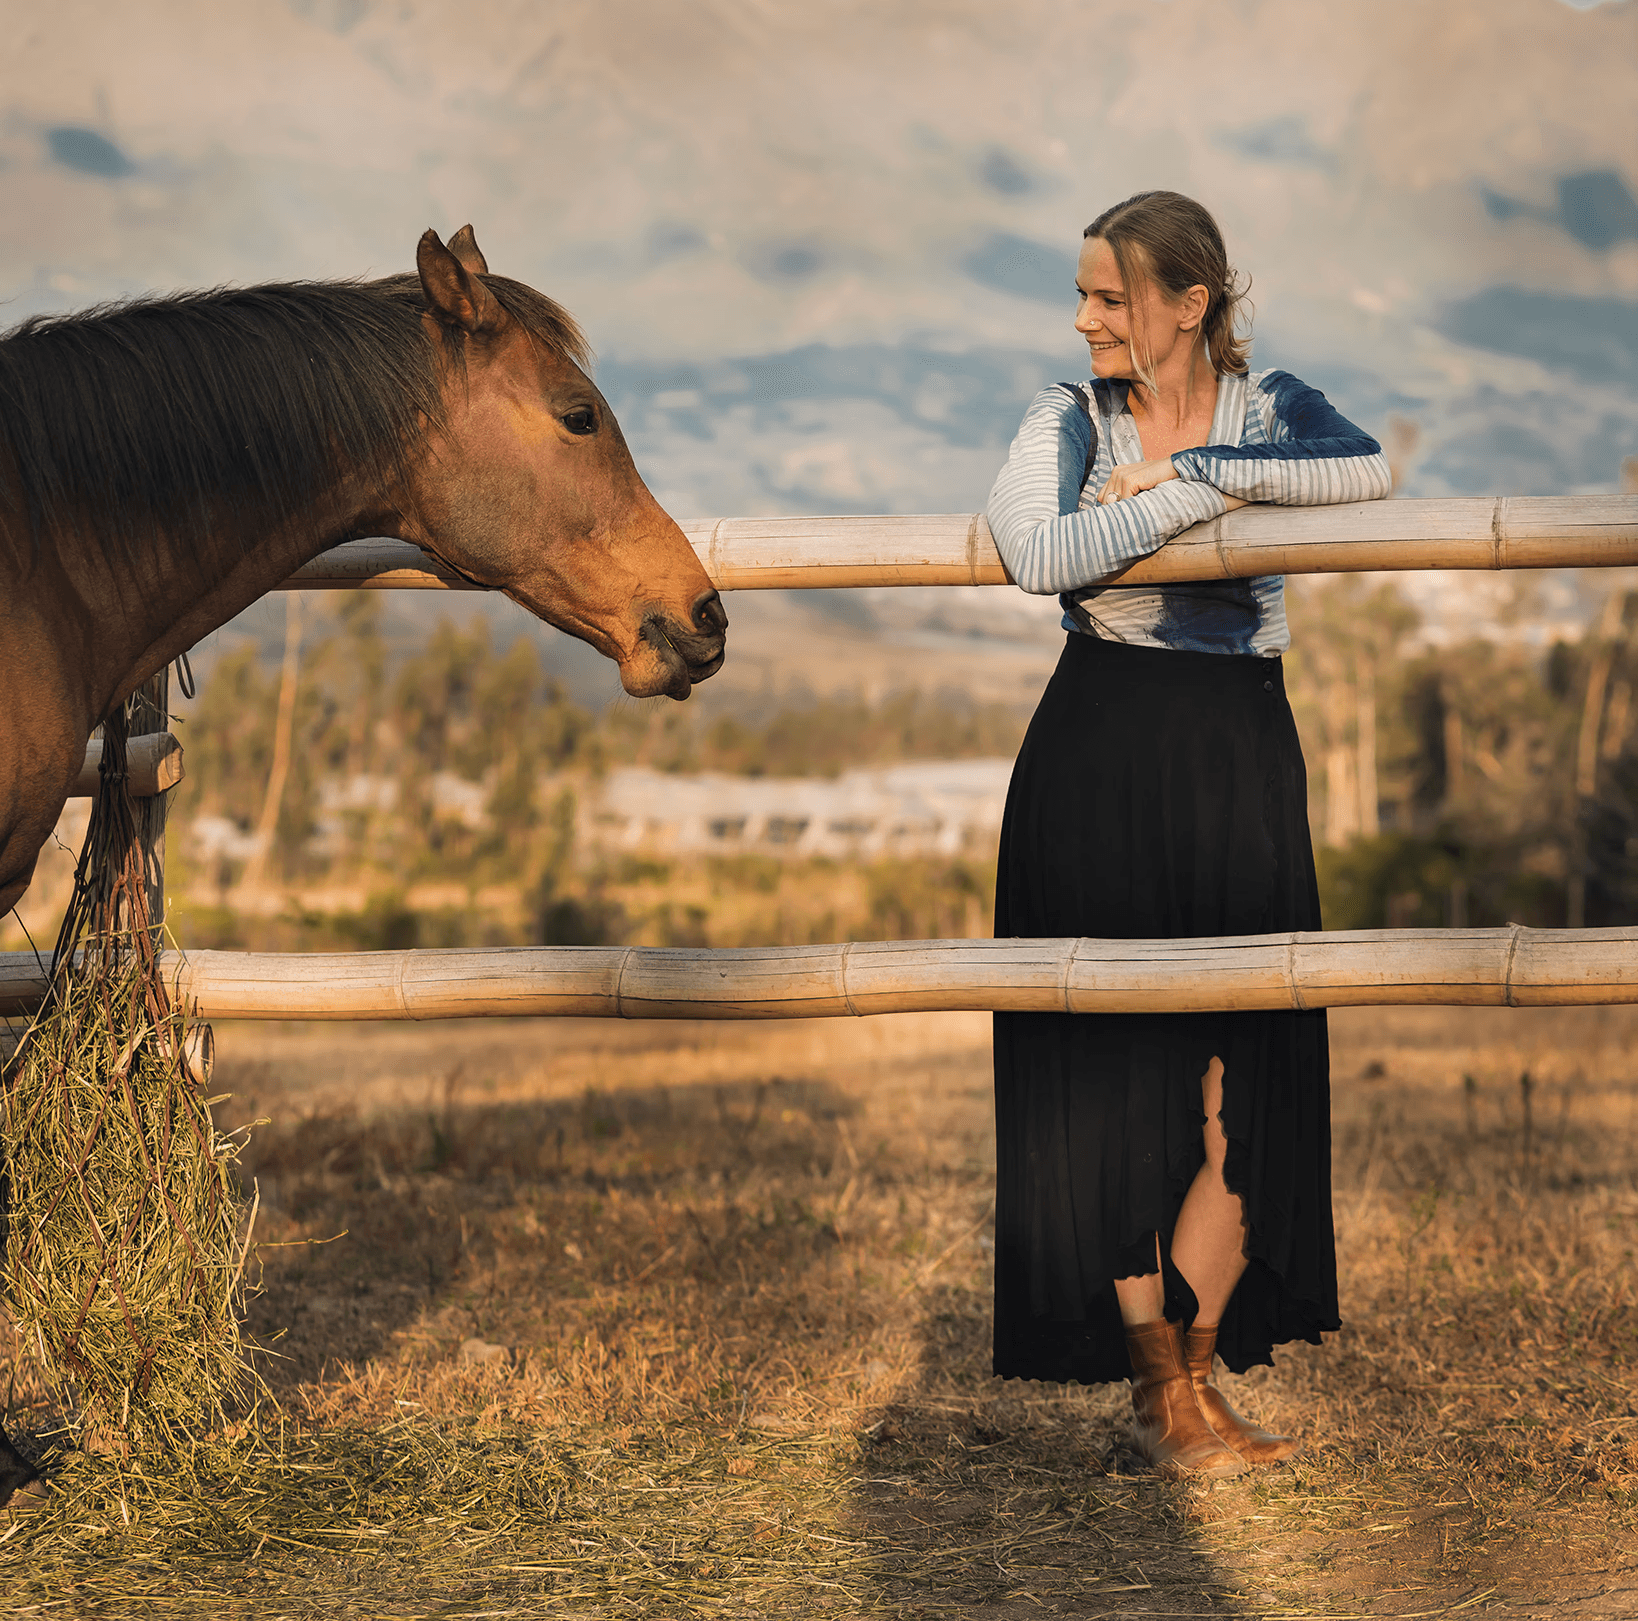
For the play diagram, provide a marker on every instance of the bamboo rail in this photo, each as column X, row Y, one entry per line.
column 749, row 554
column 1511, row 967
column 153, row 763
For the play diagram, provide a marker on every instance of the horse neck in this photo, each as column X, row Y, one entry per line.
column 177, row 595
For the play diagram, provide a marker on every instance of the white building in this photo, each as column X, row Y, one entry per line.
column 932, row 807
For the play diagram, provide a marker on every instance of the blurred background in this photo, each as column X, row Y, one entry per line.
column 825, row 254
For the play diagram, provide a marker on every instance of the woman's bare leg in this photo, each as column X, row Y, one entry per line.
column 1143, row 1298
column 1208, row 1247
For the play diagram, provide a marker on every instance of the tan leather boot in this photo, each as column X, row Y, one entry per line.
column 1167, row 1425
column 1253, row 1443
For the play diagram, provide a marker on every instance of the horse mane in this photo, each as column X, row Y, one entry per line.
column 191, row 413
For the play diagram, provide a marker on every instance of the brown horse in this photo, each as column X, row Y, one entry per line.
column 167, row 461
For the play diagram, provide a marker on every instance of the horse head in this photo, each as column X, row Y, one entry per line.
column 527, row 487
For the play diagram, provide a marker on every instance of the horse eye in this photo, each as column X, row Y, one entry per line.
column 581, row 420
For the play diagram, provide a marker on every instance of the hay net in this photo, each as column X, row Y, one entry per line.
column 123, row 1229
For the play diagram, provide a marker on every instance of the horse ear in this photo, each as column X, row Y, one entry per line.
column 454, row 294
column 464, row 245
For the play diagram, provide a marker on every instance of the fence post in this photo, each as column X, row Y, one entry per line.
column 150, row 712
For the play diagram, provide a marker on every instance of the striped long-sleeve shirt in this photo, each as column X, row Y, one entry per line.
column 1272, row 439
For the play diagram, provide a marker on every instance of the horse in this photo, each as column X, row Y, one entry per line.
column 165, row 461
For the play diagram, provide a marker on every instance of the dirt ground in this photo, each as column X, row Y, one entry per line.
column 704, row 1308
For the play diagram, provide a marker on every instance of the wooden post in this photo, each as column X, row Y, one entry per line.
column 267, row 824
column 1370, row 818
column 151, row 713
column 1607, row 642
column 153, row 763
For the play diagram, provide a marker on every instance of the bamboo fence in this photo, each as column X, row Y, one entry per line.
column 748, row 554
column 1509, row 967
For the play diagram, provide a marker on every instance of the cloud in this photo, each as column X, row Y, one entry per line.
column 1003, row 174
column 337, row 16
column 1592, row 339
column 87, row 152
column 828, row 252
column 854, row 428
column 1595, row 207
column 1014, row 264
column 670, row 239
column 784, row 261
column 1278, row 140
column 1535, row 442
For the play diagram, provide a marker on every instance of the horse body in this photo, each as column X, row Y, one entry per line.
column 149, row 491
column 165, row 463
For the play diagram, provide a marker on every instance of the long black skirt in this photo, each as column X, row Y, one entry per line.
column 1158, row 794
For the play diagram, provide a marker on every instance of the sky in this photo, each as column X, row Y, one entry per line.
column 824, row 248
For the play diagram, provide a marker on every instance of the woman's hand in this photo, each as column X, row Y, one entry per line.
column 1135, row 476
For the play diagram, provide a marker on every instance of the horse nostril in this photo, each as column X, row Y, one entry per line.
column 708, row 613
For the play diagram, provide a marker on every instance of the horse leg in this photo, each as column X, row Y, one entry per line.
column 25, row 831
column 42, row 746
column 30, row 803
column 13, row 884
column 15, row 1471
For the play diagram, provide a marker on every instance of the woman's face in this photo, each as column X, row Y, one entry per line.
column 1113, row 324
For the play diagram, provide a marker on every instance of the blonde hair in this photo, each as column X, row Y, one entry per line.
column 1170, row 238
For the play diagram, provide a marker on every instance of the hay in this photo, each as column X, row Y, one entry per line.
column 122, row 1254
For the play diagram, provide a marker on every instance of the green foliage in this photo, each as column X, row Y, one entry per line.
column 229, row 737
column 384, row 924
column 1481, row 760
column 1360, row 883
column 821, row 738
column 754, row 872
column 1400, row 881
column 928, row 900
column 375, row 801
column 582, row 920
column 1470, row 751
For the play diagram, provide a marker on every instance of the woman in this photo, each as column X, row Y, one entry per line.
column 1163, row 1182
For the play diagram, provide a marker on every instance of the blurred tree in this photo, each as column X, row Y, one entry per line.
column 1473, row 747
column 1467, row 782
column 366, row 658
column 1603, row 872
column 435, row 699
column 228, row 736
column 284, row 721
column 1346, row 635
column 504, row 748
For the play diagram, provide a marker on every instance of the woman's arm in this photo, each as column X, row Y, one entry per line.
column 1050, row 546
column 1314, row 456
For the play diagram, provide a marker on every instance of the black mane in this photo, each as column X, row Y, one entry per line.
column 177, row 414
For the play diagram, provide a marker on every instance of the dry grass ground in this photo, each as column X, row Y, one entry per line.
column 664, row 1320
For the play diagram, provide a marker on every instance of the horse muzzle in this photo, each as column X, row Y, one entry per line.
column 687, row 653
